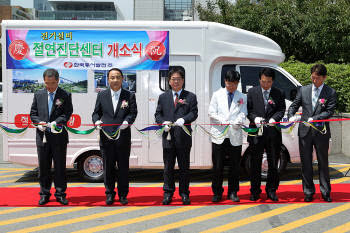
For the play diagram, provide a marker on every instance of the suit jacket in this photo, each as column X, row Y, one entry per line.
column 61, row 111
column 166, row 111
column 219, row 112
column 256, row 108
column 104, row 111
column 322, row 110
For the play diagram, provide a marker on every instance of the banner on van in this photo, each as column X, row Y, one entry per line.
column 87, row 49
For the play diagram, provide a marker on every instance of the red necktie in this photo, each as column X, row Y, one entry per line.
column 176, row 99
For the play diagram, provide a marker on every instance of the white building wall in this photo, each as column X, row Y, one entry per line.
column 125, row 9
column 149, row 9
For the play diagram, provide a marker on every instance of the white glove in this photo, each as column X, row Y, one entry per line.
column 124, row 125
column 166, row 127
column 294, row 118
column 308, row 120
column 41, row 126
column 258, row 121
column 235, row 124
column 52, row 126
column 179, row 122
column 98, row 124
column 271, row 121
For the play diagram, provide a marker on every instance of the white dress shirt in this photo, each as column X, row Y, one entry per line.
column 115, row 98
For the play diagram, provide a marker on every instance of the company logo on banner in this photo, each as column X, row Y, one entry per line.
column 87, row 49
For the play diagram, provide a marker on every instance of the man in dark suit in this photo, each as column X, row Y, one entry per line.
column 177, row 108
column 115, row 108
column 266, row 105
column 51, row 106
column 318, row 102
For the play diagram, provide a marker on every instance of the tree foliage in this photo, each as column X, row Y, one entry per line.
column 338, row 78
column 309, row 30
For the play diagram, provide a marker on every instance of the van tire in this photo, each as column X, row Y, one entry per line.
column 282, row 163
column 90, row 166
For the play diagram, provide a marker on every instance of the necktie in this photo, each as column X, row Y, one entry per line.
column 230, row 98
column 176, row 99
column 266, row 97
column 314, row 98
column 50, row 101
column 116, row 99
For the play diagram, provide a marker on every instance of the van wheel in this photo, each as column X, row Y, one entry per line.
column 282, row 162
column 90, row 166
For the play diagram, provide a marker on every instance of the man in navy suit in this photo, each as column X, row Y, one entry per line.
column 115, row 108
column 176, row 109
column 318, row 102
column 51, row 106
column 266, row 105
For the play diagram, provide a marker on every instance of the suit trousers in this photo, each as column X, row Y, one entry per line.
column 306, row 145
column 112, row 155
column 219, row 152
column 46, row 154
column 272, row 148
column 183, row 159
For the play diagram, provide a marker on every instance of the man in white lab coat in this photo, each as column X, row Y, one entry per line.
column 228, row 107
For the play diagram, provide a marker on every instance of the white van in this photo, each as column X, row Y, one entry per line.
column 205, row 50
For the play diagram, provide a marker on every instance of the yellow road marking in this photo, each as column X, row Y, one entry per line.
column 138, row 219
column 24, row 184
column 11, row 175
column 43, row 215
column 11, row 169
column 17, row 209
column 204, row 184
column 291, row 182
column 340, row 180
column 245, row 184
column 75, row 184
column 154, row 185
column 79, row 219
column 198, row 219
column 7, row 181
column 340, row 165
column 310, row 219
column 339, row 171
column 256, row 218
column 340, row 229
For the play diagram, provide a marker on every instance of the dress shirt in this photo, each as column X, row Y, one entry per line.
column 115, row 98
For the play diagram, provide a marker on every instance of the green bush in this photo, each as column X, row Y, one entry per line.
column 338, row 78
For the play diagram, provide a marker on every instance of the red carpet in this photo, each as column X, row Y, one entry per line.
column 140, row 196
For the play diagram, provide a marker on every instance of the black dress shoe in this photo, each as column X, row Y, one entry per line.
column 110, row 199
column 167, row 199
column 43, row 200
column 185, row 199
column 233, row 197
column 216, row 198
column 308, row 198
column 272, row 196
column 62, row 200
column 123, row 200
column 327, row 198
column 254, row 197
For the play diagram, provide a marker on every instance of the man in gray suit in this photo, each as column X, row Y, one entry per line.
column 318, row 102
column 51, row 106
